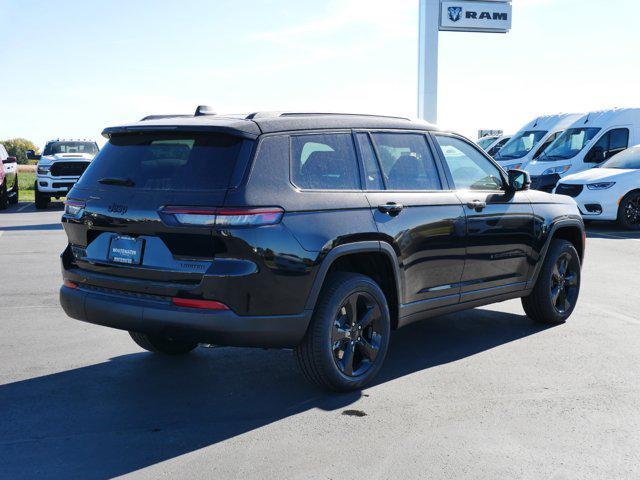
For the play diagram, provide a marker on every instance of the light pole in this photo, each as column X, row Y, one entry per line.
column 461, row 16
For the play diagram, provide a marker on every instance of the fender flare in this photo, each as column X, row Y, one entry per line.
column 567, row 222
column 351, row 248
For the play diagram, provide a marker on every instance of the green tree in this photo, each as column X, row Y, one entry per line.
column 17, row 147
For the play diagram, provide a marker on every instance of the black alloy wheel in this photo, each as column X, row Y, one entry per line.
column 564, row 284
column 348, row 336
column 357, row 334
column 556, row 291
column 629, row 213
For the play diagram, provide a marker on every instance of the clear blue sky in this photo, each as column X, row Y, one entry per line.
column 70, row 68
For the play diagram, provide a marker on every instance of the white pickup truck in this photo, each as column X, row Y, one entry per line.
column 59, row 167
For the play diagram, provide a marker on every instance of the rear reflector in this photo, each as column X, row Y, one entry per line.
column 70, row 284
column 193, row 303
column 225, row 217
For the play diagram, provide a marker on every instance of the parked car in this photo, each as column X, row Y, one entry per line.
column 59, row 167
column 591, row 140
column 8, row 179
column 493, row 144
column 317, row 232
column 609, row 192
column 533, row 139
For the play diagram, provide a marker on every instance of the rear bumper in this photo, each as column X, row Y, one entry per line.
column 161, row 317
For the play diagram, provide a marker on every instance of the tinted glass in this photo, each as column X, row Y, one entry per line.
column 469, row 168
column 546, row 144
column 498, row 146
column 54, row 148
column 612, row 142
column 324, row 162
column 618, row 141
column 373, row 176
column 406, row 161
column 520, row 145
column 569, row 144
column 167, row 161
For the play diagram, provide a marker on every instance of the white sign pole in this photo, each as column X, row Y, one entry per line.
column 461, row 16
column 428, row 60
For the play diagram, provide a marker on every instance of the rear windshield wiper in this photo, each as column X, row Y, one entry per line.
column 125, row 182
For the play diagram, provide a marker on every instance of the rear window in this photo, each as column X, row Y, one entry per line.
column 186, row 161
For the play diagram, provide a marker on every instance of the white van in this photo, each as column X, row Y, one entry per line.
column 533, row 139
column 493, row 143
column 592, row 139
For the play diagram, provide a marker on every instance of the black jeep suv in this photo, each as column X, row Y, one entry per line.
column 317, row 232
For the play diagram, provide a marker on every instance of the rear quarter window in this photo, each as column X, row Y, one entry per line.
column 324, row 162
column 190, row 161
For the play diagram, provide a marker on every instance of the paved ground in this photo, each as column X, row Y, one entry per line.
column 482, row 394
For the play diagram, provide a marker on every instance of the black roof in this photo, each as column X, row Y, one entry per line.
column 254, row 124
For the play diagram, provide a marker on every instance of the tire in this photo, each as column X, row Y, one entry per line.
column 629, row 211
column 4, row 199
column 343, row 351
column 15, row 191
column 41, row 200
column 556, row 291
column 158, row 344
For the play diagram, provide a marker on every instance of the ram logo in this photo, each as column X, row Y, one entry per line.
column 455, row 13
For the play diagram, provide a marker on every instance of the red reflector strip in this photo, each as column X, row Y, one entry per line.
column 194, row 303
column 70, row 284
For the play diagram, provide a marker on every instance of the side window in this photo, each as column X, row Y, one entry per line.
column 469, row 168
column 612, row 142
column 324, row 162
column 618, row 141
column 371, row 169
column 546, row 143
column 406, row 161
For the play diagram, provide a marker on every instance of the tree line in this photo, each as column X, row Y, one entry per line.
column 17, row 147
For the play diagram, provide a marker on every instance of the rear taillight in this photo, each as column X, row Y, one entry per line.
column 194, row 303
column 73, row 207
column 70, row 284
column 225, row 217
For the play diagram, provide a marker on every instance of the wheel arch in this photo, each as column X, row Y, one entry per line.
column 375, row 259
column 573, row 231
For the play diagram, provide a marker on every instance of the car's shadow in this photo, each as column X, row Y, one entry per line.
column 136, row 410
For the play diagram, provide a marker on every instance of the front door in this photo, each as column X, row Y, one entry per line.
column 424, row 223
column 499, row 231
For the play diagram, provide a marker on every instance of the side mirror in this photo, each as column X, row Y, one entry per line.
column 31, row 155
column 10, row 160
column 519, row 180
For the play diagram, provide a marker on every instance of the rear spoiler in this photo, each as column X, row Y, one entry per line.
column 108, row 132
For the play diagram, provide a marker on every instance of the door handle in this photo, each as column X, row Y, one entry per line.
column 391, row 208
column 477, row 205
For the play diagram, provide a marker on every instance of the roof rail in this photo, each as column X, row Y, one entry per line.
column 255, row 115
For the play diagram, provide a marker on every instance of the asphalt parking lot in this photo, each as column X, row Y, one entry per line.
column 480, row 394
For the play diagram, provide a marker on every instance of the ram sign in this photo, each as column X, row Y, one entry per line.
column 472, row 16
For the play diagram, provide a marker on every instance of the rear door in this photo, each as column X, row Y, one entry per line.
column 499, row 232
column 419, row 217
